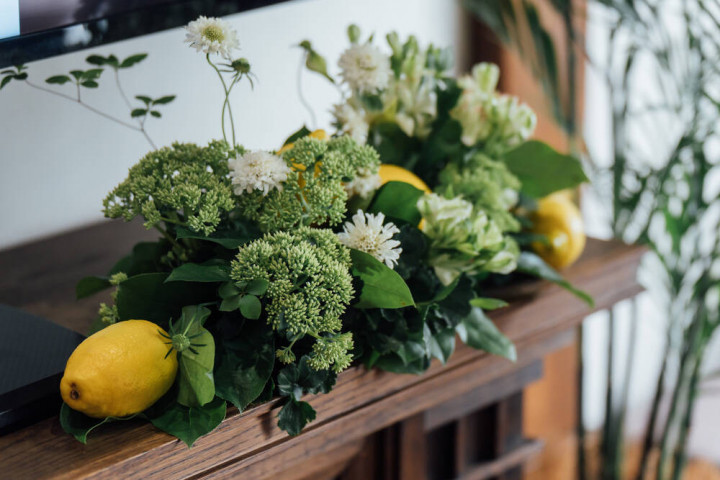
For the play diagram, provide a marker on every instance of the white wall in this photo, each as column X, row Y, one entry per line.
column 58, row 160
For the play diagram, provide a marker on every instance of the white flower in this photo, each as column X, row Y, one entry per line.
column 368, row 234
column 258, row 171
column 351, row 122
column 365, row 68
column 212, row 35
column 364, row 184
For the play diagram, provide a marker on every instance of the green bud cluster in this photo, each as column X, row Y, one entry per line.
column 332, row 352
column 309, row 287
column 183, row 184
column 313, row 193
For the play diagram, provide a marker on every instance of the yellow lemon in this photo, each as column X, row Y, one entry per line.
column 560, row 221
column 393, row 173
column 119, row 371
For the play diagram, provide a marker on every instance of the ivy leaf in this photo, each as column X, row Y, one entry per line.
column 164, row 100
column 534, row 265
column 138, row 112
column 210, row 271
column 382, row 286
column 542, row 170
column 488, row 303
column 196, row 386
column 250, row 307
column 188, row 423
column 132, row 60
column 479, row 332
column 91, row 285
column 442, row 344
column 298, row 379
column 294, row 416
column 398, row 200
column 244, row 364
column 58, row 79
column 80, row 425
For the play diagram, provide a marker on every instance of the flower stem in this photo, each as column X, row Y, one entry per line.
column 226, row 103
column 301, row 96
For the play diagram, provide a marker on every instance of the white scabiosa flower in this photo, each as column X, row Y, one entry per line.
column 364, row 184
column 258, row 170
column 368, row 234
column 351, row 121
column 365, row 68
column 212, row 35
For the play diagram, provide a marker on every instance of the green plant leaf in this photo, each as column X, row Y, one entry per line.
column 542, row 170
column 96, row 60
column 196, row 385
column 164, row 100
column 188, row 423
column 314, row 61
column 398, row 200
column 58, row 79
column 230, row 304
column 210, row 271
column 132, row 60
column 145, row 258
column 294, row 416
column 92, row 74
column 90, row 84
column 382, row 286
column 442, row 344
column 534, row 265
column 77, row 74
column 297, row 379
column 228, row 239
column 488, row 303
column 91, row 285
column 303, row 132
column 148, row 297
column 5, row 81
column 144, row 98
column 250, row 307
column 156, row 114
column 80, row 425
column 138, row 112
column 244, row 364
column 257, row 287
column 479, row 332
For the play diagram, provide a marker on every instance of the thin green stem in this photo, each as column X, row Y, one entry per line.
column 301, row 95
column 226, row 103
column 681, row 449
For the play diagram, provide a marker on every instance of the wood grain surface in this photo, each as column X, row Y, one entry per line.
column 249, row 445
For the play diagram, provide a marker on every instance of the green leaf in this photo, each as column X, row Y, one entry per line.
column 144, row 98
column 244, row 364
column 91, row 285
column 294, row 416
column 534, row 265
column 79, row 425
column 228, row 289
column 303, row 132
column 133, row 59
column 96, row 60
column 257, row 287
column 314, row 61
column 228, row 239
column 77, row 74
column 148, row 297
column 145, row 258
column 250, row 307
column 164, row 100
column 21, row 76
column 230, row 304
column 480, row 332
column 58, row 79
column 382, row 286
column 196, row 385
column 138, row 112
column 542, row 170
column 488, row 303
column 6, row 80
column 297, row 379
column 442, row 345
column 189, row 423
column 398, row 200
column 92, row 74
column 156, row 114
column 210, row 271
column 90, row 84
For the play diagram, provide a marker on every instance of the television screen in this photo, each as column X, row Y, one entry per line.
column 35, row 29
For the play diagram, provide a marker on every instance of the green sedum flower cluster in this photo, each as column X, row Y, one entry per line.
column 464, row 239
column 487, row 184
column 309, row 289
column 313, row 193
column 184, row 184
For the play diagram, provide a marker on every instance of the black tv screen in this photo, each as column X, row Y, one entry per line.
column 35, row 29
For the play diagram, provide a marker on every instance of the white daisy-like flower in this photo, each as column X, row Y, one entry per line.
column 212, row 35
column 368, row 234
column 257, row 171
column 351, row 122
column 365, row 68
column 364, row 184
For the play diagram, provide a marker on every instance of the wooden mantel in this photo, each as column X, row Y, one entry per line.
column 250, row 446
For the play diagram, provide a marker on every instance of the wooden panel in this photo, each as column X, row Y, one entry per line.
column 363, row 401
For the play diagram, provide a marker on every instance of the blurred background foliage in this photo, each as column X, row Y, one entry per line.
column 659, row 63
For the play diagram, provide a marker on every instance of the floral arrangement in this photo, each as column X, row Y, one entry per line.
column 276, row 270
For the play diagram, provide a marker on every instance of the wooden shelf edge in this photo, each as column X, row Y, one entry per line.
column 515, row 458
